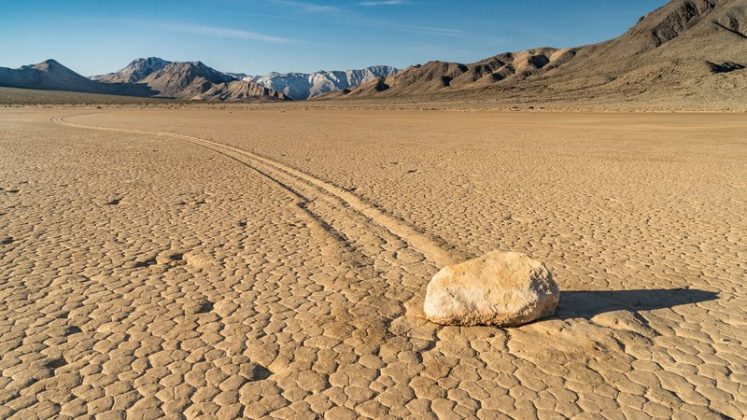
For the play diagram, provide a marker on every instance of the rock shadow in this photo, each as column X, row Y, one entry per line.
column 725, row 67
column 587, row 304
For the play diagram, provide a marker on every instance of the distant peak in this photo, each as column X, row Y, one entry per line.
column 152, row 60
column 50, row 64
column 148, row 61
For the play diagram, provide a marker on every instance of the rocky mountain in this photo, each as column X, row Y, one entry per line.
column 147, row 77
column 134, row 72
column 436, row 76
column 239, row 91
column 309, row 85
column 184, row 79
column 188, row 80
column 688, row 51
column 51, row 75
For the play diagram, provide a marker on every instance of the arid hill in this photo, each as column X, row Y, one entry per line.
column 239, row 91
column 189, row 80
column 151, row 77
column 51, row 75
column 686, row 52
column 134, row 72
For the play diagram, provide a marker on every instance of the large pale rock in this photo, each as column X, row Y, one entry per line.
column 499, row 288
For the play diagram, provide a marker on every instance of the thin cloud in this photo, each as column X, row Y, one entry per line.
column 430, row 30
column 396, row 26
column 226, row 33
column 375, row 3
column 307, row 6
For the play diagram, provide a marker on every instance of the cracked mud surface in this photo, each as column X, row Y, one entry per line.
column 225, row 264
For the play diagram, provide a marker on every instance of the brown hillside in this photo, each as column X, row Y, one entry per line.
column 688, row 50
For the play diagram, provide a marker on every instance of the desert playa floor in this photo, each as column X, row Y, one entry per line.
column 234, row 262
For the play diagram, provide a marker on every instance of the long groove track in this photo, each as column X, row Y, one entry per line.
column 292, row 178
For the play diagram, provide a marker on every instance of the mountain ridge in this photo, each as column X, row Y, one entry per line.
column 52, row 75
column 297, row 85
column 192, row 80
column 689, row 52
column 133, row 72
column 294, row 85
column 687, row 49
column 146, row 77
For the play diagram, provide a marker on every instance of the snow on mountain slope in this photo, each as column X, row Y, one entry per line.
column 309, row 85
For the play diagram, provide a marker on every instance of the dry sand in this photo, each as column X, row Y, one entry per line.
column 270, row 263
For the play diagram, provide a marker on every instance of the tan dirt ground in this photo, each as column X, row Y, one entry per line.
column 227, row 263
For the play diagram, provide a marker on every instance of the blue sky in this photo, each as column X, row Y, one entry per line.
column 258, row 36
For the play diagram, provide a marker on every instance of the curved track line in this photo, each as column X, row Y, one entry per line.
column 419, row 241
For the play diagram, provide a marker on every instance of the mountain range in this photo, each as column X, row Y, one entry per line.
column 687, row 51
column 146, row 77
column 154, row 76
column 309, row 85
column 691, row 52
column 188, row 80
column 51, row 75
column 155, row 71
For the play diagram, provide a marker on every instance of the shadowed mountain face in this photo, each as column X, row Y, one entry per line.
column 52, row 75
column 189, row 80
column 134, row 72
column 687, row 54
column 143, row 77
column 687, row 48
column 184, row 80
